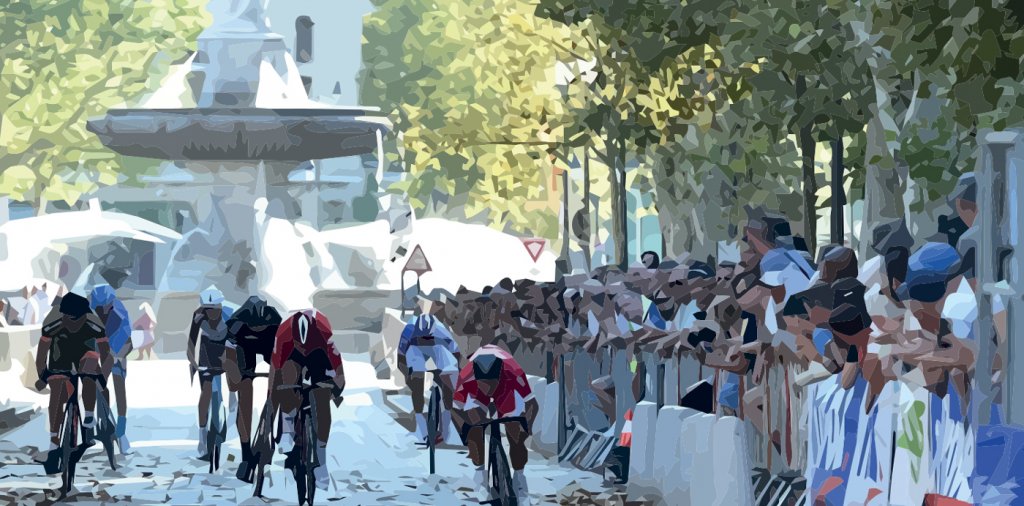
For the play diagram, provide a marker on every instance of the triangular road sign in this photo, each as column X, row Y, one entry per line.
column 417, row 262
column 534, row 247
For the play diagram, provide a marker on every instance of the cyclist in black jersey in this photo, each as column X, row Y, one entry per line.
column 73, row 341
column 251, row 332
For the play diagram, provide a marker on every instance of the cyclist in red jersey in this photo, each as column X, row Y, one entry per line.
column 493, row 385
column 303, row 342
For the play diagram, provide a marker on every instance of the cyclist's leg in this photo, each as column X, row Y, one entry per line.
column 205, row 396
column 417, row 364
column 517, row 454
column 244, row 417
column 118, row 374
column 60, row 391
column 288, row 401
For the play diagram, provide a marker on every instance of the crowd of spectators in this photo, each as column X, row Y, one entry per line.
column 877, row 348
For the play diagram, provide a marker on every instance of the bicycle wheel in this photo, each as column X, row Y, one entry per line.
column 298, row 457
column 314, row 462
column 502, row 474
column 67, row 445
column 433, row 423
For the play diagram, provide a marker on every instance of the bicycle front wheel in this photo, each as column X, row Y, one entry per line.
column 68, row 442
column 433, row 423
column 502, row 474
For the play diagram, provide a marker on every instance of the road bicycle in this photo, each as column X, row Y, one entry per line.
column 302, row 459
column 217, row 418
column 71, row 450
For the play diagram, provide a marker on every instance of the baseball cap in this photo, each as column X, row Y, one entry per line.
column 928, row 271
column 848, row 320
column 966, row 188
column 893, row 234
column 848, row 291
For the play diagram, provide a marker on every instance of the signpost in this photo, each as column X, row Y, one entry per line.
column 534, row 246
column 417, row 263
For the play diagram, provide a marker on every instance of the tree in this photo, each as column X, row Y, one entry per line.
column 65, row 61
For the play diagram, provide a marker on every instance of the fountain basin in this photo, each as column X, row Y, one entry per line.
column 240, row 134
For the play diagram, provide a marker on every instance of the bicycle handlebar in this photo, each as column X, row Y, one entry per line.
column 504, row 419
column 71, row 376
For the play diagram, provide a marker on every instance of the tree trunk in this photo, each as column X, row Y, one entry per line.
column 618, row 223
column 585, row 240
column 883, row 195
column 623, row 256
column 810, row 184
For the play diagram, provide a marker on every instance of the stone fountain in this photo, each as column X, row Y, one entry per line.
column 249, row 122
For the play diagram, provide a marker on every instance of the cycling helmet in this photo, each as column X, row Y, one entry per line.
column 486, row 367
column 424, row 325
column 74, row 305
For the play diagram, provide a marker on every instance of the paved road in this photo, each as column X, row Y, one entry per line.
column 371, row 460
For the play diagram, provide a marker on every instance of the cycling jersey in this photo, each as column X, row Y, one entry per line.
column 247, row 342
column 212, row 339
column 511, row 394
column 300, row 336
column 68, row 347
column 426, row 330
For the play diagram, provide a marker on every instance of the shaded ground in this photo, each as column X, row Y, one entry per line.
column 370, row 456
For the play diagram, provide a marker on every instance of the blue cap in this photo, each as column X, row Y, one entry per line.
column 928, row 271
column 101, row 295
column 211, row 297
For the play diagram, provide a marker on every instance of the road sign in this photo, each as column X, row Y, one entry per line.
column 417, row 262
column 534, row 246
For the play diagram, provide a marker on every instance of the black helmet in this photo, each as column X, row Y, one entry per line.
column 74, row 305
column 486, row 367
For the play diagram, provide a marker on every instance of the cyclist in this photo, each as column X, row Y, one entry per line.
column 73, row 341
column 251, row 332
column 210, row 330
column 303, row 341
column 426, row 337
column 115, row 319
column 492, row 377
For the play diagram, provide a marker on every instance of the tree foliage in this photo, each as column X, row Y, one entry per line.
column 65, row 61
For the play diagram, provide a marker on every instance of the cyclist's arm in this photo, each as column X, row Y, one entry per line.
column 231, row 363
column 42, row 352
column 193, row 336
column 106, row 357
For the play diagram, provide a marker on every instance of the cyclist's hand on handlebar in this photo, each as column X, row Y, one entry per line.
column 40, row 385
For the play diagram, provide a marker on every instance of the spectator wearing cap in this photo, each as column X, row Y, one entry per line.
column 941, row 360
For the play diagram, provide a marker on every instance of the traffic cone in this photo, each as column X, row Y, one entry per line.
column 626, row 438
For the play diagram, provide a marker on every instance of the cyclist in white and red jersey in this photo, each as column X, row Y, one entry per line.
column 493, row 385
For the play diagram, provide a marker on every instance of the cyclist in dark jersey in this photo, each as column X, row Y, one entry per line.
column 210, row 329
column 73, row 341
column 251, row 332
column 303, row 341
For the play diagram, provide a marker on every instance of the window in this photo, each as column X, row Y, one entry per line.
column 303, row 39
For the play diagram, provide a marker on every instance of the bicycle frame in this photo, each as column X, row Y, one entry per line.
column 303, row 458
column 217, row 424
column 71, row 450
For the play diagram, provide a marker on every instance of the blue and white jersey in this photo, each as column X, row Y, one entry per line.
column 426, row 330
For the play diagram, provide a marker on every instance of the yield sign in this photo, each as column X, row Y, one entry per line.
column 417, row 262
column 534, row 247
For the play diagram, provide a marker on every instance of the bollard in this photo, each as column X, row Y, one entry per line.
column 732, row 481
column 641, row 458
column 698, row 443
column 667, row 431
